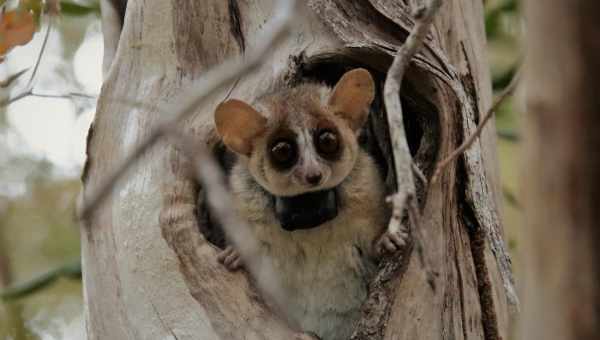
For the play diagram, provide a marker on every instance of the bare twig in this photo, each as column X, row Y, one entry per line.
column 405, row 196
column 6, row 102
column 402, row 158
column 71, row 269
column 28, row 91
column 40, row 55
column 12, row 78
column 469, row 141
column 196, row 94
column 69, row 95
column 420, row 174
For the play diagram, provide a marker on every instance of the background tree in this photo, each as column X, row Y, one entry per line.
column 562, row 260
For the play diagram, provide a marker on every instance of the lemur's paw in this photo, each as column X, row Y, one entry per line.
column 391, row 242
column 230, row 258
column 306, row 336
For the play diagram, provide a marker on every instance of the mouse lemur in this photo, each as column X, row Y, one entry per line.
column 314, row 199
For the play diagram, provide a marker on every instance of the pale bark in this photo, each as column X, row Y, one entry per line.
column 149, row 273
column 561, row 265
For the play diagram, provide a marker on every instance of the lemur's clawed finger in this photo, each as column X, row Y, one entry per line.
column 230, row 258
column 222, row 255
column 391, row 242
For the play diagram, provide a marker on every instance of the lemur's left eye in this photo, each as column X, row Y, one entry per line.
column 327, row 143
column 284, row 153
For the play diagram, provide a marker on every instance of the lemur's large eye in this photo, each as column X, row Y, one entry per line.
column 327, row 143
column 284, row 153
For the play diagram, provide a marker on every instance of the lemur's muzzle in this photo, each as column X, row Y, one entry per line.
column 306, row 211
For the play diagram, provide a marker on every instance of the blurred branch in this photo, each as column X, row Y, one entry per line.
column 70, row 95
column 68, row 270
column 196, row 94
column 209, row 174
column 13, row 312
column 12, row 78
column 40, row 55
column 471, row 139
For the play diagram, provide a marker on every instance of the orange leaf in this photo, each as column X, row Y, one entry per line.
column 16, row 28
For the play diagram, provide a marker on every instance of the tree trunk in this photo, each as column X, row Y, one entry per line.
column 150, row 273
column 562, row 261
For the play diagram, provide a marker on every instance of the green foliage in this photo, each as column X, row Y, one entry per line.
column 502, row 79
column 493, row 16
column 74, row 9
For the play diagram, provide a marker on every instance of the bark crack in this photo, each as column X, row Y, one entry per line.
column 162, row 322
column 462, row 294
column 235, row 20
column 477, row 237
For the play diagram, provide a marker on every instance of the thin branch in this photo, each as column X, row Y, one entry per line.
column 70, row 269
column 420, row 175
column 6, row 102
column 69, row 95
column 194, row 97
column 40, row 55
column 405, row 197
column 12, row 78
column 402, row 158
column 29, row 88
column 469, row 141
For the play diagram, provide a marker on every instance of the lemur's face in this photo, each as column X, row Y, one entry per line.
column 301, row 139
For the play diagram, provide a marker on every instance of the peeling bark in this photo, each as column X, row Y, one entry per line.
column 148, row 270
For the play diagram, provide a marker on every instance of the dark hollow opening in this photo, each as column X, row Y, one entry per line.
column 420, row 115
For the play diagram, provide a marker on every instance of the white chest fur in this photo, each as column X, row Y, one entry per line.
column 323, row 271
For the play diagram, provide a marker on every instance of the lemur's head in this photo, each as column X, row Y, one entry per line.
column 300, row 139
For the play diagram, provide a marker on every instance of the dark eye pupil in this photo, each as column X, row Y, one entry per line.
column 327, row 142
column 283, row 154
column 282, row 151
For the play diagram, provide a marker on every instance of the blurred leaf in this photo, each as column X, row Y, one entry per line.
column 16, row 28
column 34, row 7
column 494, row 15
column 73, row 9
column 53, row 7
column 511, row 198
column 502, row 80
column 508, row 135
column 10, row 79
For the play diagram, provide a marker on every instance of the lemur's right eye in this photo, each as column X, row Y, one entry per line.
column 284, row 153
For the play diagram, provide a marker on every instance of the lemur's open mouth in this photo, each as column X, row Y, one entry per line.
column 306, row 211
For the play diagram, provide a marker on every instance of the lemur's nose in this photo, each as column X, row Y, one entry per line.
column 314, row 178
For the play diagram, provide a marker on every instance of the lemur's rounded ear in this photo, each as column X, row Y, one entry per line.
column 352, row 97
column 239, row 124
